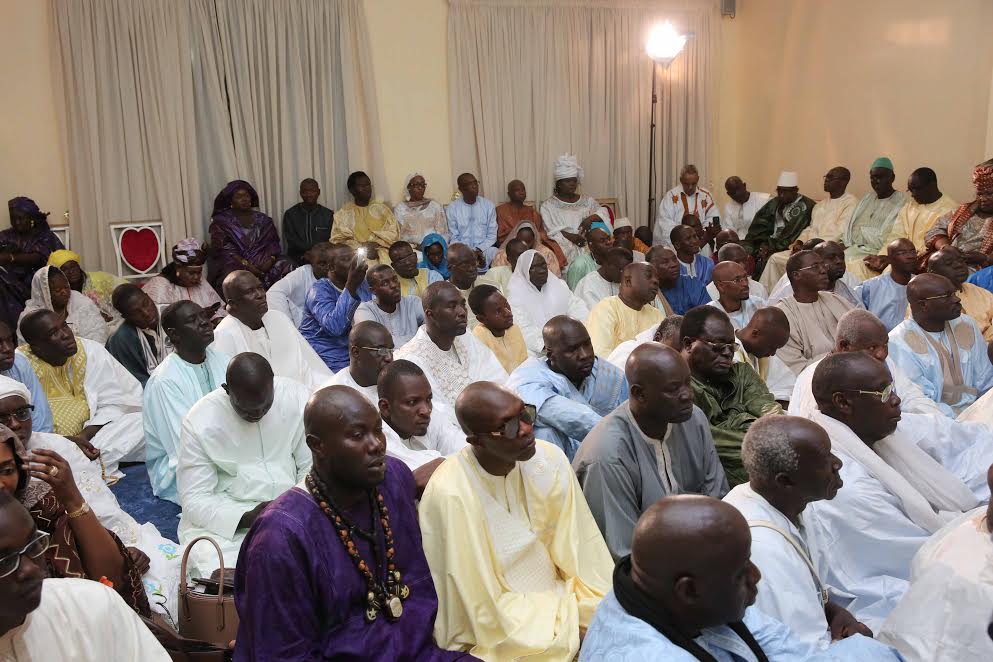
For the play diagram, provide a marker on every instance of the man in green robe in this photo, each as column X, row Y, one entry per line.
column 779, row 222
column 872, row 219
column 730, row 393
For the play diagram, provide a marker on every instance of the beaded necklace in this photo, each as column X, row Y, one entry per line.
column 383, row 595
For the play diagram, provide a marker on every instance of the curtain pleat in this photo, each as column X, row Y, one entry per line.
column 531, row 80
column 167, row 101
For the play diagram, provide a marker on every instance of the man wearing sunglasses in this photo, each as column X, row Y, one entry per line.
column 66, row 615
column 940, row 349
column 813, row 312
column 729, row 393
column 515, row 554
column 903, row 481
column 653, row 445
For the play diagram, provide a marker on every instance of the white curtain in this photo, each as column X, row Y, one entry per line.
column 167, row 101
column 529, row 80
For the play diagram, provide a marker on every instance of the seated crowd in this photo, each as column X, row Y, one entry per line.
column 496, row 432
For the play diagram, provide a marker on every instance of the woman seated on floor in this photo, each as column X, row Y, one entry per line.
column 525, row 232
column 242, row 237
column 182, row 280
column 50, row 291
column 97, row 286
column 75, row 544
column 24, row 247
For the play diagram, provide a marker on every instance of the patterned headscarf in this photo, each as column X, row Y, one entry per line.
column 188, row 252
column 29, row 207
column 982, row 179
column 223, row 199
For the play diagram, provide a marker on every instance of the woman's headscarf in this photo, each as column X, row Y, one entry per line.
column 539, row 305
column 188, row 253
column 517, row 228
column 425, row 263
column 60, row 257
column 29, row 207
column 406, row 183
column 567, row 166
column 223, row 199
column 28, row 491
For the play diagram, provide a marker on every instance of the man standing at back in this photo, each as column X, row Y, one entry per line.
column 251, row 327
column 472, row 221
column 306, row 223
column 653, row 445
column 192, row 371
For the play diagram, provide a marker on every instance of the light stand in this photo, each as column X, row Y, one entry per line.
column 663, row 45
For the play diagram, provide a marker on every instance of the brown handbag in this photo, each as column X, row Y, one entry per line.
column 211, row 618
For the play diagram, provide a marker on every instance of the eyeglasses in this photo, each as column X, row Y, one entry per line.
column 819, row 266
column 381, row 352
column 512, row 428
column 21, row 414
column 10, row 563
column 719, row 347
column 739, row 280
column 939, row 296
column 883, row 395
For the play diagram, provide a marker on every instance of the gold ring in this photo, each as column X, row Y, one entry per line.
column 53, row 471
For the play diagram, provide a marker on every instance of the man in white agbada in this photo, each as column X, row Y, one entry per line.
column 899, row 488
column 60, row 619
column 289, row 294
column 687, row 198
column 939, row 348
column 567, row 214
column 241, row 446
column 451, row 358
column 419, row 432
column 370, row 349
column 861, row 331
column 813, row 313
column 95, row 401
column 828, row 220
column 192, row 371
column 536, row 296
column 162, row 578
column 605, row 281
column 950, row 597
column 741, row 206
column 251, row 327
column 790, row 465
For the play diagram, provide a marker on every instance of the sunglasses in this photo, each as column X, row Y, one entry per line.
column 719, row 347
column 512, row 428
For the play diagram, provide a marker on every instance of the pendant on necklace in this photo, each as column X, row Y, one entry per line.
column 395, row 606
column 404, row 592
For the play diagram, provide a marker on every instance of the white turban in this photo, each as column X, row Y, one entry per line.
column 406, row 182
column 566, row 166
column 622, row 223
column 9, row 387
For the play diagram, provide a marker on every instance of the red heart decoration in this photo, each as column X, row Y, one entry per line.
column 140, row 248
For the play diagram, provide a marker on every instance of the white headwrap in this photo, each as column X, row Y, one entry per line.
column 567, row 166
column 622, row 223
column 9, row 387
column 406, row 183
column 539, row 305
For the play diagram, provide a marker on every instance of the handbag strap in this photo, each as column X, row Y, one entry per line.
column 764, row 524
column 183, row 586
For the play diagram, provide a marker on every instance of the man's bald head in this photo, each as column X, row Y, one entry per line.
column 249, row 385
column 498, row 426
column 860, row 331
column 237, row 281
column 766, row 332
column 639, row 284
column 732, row 252
column 691, row 554
column 460, row 252
column 345, row 434
column 648, row 360
column 849, row 387
column 727, row 270
column 933, row 300
column 560, row 328
column 659, row 387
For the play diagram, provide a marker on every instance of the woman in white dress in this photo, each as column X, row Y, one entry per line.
column 419, row 216
column 567, row 215
column 536, row 296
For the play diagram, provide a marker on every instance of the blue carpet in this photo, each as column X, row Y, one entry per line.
column 134, row 493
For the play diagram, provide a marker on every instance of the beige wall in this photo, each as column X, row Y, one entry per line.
column 409, row 53
column 809, row 85
column 31, row 161
column 804, row 85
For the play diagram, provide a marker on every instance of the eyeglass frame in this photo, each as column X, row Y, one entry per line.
column 27, row 409
column 939, row 296
column 42, row 536
column 512, row 428
column 740, row 279
column 378, row 351
column 714, row 345
column 884, row 395
column 813, row 266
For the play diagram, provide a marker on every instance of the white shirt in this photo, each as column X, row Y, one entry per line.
column 80, row 620
column 289, row 294
column 756, row 291
column 741, row 317
column 444, row 437
column 228, row 466
column 593, row 288
column 278, row 340
column 739, row 217
column 344, row 378
column 448, row 372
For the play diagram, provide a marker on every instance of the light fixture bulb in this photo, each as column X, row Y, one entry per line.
column 664, row 44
